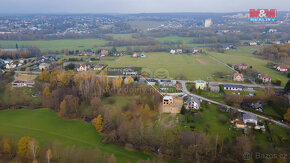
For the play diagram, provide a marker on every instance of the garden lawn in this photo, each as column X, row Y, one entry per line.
column 46, row 126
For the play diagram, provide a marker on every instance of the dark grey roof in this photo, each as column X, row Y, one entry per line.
column 193, row 99
column 250, row 116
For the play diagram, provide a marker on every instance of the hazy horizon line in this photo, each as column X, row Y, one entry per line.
column 121, row 13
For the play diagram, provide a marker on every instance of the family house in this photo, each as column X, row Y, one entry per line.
column 128, row 80
column 282, row 68
column 10, row 66
column 250, row 119
column 233, row 87
column 265, row 78
column 98, row 67
column 238, row 77
column 214, row 87
column 135, row 55
column 253, row 43
column 241, row 67
column 257, row 106
column 44, row 66
column 21, row 60
column 178, row 87
column 167, row 100
column 151, row 81
column 179, row 51
column 193, row 103
column 200, row 84
column 104, row 53
column 83, row 68
column 172, row 51
column 143, row 55
column 166, row 83
column 240, row 124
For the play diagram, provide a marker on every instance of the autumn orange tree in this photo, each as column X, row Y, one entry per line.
column 62, row 108
column 287, row 115
column 22, row 146
column 6, row 145
column 98, row 123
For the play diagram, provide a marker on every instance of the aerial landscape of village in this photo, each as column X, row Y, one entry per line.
column 140, row 84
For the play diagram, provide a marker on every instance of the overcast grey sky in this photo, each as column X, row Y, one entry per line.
column 137, row 6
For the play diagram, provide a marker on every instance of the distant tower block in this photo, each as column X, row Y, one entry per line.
column 208, row 23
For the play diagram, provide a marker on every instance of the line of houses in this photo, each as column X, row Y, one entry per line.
column 85, row 67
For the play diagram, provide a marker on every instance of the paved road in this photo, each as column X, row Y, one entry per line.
column 230, row 107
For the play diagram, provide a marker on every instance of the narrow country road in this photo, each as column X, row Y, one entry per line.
column 230, row 107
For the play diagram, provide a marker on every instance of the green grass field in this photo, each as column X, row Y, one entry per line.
column 192, row 66
column 244, row 55
column 121, row 36
column 188, row 40
column 45, row 45
column 46, row 126
column 144, row 25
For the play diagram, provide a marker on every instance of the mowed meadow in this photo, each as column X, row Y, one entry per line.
column 245, row 55
column 194, row 67
column 46, row 126
column 46, row 45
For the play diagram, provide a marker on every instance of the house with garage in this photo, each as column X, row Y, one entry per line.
column 233, row 87
column 200, row 84
column 238, row 77
column 265, row 78
column 167, row 100
column 193, row 103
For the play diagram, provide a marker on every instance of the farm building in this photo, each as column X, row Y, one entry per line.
column 233, row 87
column 19, row 83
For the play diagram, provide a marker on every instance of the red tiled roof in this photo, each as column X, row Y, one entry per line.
column 264, row 76
column 283, row 67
